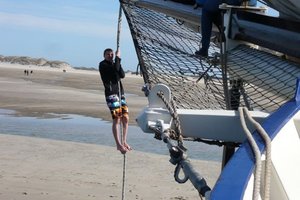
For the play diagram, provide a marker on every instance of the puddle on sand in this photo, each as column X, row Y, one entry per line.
column 90, row 130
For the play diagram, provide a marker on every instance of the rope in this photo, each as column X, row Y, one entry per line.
column 172, row 110
column 264, row 135
column 268, row 141
column 120, row 99
column 124, row 176
column 257, row 155
column 119, row 27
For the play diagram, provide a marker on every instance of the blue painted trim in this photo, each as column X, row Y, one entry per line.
column 236, row 174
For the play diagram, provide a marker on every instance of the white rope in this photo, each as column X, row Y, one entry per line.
column 120, row 99
column 257, row 155
column 267, row 140
column 265, row 136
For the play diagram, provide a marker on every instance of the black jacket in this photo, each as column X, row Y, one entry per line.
column 111, row 74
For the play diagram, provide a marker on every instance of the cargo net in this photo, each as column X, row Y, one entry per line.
column 166, row 52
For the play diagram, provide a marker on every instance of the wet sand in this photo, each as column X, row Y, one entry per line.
column 49, row 90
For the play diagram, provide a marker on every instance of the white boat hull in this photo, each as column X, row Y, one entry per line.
column 283, row 127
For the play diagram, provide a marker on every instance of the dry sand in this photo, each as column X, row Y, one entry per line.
column 33, row 168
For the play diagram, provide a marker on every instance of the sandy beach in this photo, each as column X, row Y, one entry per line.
column 35, row 168
column 50, row 90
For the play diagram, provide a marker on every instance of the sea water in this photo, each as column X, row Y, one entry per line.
column 90, row 130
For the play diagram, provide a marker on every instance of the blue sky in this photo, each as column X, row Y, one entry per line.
column 74, row 31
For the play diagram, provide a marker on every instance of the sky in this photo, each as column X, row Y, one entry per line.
column 74, row 31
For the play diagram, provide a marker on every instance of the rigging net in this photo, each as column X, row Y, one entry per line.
column 256, row 79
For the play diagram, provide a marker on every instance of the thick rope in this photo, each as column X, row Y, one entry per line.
column 119, row 27
column 172, row 110
column 265, row 136
column 257, row 155
column 120, row 99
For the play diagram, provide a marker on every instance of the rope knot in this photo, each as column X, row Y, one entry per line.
column 174, row 134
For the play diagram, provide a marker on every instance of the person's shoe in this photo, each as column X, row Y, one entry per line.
column 201, row 53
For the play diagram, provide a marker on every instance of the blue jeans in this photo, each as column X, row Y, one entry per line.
column 207, row 20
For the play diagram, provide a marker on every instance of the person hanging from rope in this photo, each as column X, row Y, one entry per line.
column 111, row 73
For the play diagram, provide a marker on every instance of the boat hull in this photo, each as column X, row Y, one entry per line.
column 283, row 127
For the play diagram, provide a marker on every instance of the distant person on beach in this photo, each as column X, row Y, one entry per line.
column 111, row 73
column 26, row 72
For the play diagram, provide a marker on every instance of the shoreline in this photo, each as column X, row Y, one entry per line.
column 94, row 131
column 50, row 90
